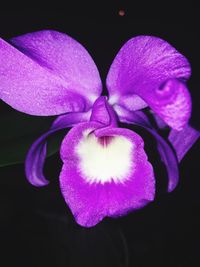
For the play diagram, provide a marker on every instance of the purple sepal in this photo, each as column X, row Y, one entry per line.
column 167, row 155
column 149, row 71
column 183, row 140
column 47, row 73
column 36, row 155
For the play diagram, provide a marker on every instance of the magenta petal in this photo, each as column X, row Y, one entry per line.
column 174, row 106
column 149, row 70
column 166, row 152
column 35, row 162
column 36, row 156
column 47, row 73
column 92, row 194
column 183, row 140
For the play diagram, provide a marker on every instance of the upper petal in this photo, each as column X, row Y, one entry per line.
column 149, row 71
column 47, row 73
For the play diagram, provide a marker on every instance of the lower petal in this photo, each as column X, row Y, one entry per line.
column 183, row 140
column 105, row 173
column 36, row 155
column 166, row 152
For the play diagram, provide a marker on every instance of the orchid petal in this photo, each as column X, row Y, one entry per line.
column 183, row 140
column 167, row 155
column 148, row 71
column 36, row 156
column 98, row 181
column 47, row 73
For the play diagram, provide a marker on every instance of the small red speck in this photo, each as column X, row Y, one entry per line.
column 121, row 12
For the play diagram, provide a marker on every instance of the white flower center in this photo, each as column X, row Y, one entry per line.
column 106, row 161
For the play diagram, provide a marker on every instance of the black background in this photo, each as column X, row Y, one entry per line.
column 36, row 228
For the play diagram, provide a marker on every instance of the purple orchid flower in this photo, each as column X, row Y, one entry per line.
column 105, row 170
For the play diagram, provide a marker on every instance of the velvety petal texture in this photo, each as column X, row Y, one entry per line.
column 148, row 71
column 183, row 140
column 99, row 180
column 47, row 73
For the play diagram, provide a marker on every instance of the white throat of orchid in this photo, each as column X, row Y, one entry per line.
column 105, row 159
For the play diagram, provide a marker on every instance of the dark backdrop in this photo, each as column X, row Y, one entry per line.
column 36, row 227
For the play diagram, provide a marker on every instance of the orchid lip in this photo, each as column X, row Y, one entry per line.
column 104, row 181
